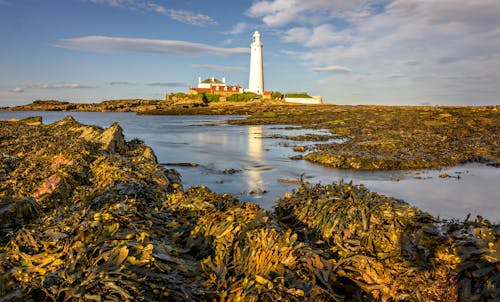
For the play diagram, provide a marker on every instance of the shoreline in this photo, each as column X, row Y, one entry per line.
column 376, row 137
column 96, row 217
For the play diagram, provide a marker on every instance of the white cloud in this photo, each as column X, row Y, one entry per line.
column 322, row 35
column 413, row 33
column 184, row 16
column 238, row 29
column 219, row 67
column 189, row 17
column 18, row 90
column 333, row 68
column 276, row 13
column 167, row 84
column 297, row 35
column 169, row 47
column 121, row 83
column 51, row 86
column 60, row 85
column 115, row 3
column 414, row 49
column 472, row 13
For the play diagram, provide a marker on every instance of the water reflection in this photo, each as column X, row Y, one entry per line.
column 219, row 141
column 264, row 160
column 255, row 154
column 255, row 143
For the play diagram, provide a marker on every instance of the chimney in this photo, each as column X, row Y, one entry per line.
column 199, row 80
column 224, row 80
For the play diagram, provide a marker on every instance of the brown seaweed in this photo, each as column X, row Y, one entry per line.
column 87, row 216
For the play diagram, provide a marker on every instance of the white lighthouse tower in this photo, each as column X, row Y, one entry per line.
column 256, row 81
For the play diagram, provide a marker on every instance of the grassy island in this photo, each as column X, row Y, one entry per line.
column 86, row 215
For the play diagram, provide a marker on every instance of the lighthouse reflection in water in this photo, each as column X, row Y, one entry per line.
column 255, row 155
column 257, row 162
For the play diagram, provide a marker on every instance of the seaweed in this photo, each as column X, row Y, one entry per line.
column 394, row 138
column 86, row 215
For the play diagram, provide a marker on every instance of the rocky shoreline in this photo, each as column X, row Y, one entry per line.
column 174, row 106
column 105, row 106
column 373, row 137
column 394, row 138
column 86, row 215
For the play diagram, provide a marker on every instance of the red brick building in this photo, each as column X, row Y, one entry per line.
column 212, row 85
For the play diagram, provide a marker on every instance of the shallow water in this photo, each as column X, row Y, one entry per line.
column 216, row 146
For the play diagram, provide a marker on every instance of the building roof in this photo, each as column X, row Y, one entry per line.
column 212, row 81
column 229, row 88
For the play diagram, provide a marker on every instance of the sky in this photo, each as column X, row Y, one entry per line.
column 391, row 52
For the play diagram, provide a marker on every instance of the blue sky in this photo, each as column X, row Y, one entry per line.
column 350, row 52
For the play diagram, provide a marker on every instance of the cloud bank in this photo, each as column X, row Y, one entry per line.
column 50, row 86
column 120, row 83
column 445, row 48
column 239, row 28
column 334, row 68
column 168, row 47
column 18, row 90
column 184, row 16
column 277, row 13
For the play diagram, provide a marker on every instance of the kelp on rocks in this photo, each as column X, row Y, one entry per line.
column 86, row 215
column 394, row 251
column 392, row 137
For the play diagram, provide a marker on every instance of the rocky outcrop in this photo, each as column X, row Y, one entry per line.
column 87, row 216
column 105, row 106
column 392, row 137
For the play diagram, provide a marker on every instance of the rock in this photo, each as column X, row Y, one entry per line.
column 35, row 120
column 231, row 171
column 116, row 226
column 290, row 181
column 181, row 164
column 112, row 139
column 299, row 148
column 149, row 154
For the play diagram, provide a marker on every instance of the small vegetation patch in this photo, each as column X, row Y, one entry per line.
column 210, row 97
column 297, row 95
column 243, row 97
column 270, row 114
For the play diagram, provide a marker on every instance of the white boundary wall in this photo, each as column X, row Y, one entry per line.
column 312, row 101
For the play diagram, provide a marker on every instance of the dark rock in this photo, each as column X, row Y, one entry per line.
column 231, row 171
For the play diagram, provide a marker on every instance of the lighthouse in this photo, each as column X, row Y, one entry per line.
column 256, row 80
